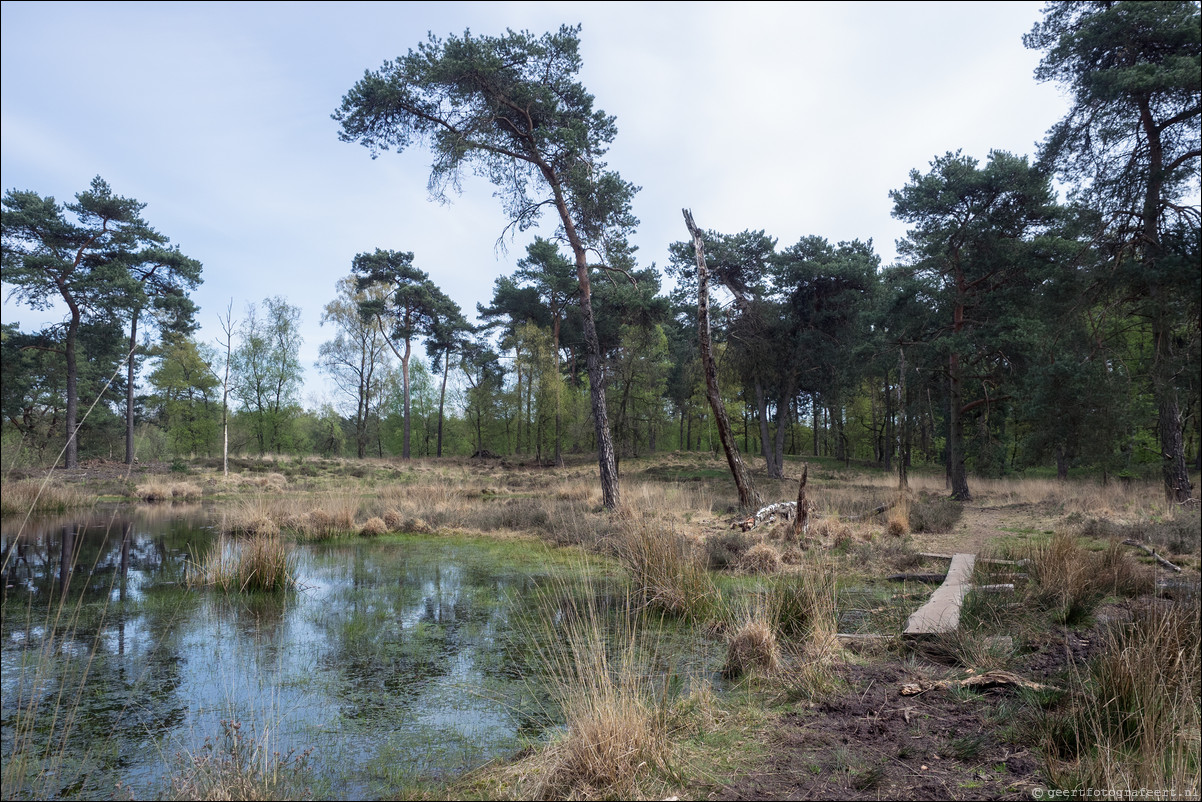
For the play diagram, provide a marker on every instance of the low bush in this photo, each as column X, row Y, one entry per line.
column 934, row 514
column 726, row 550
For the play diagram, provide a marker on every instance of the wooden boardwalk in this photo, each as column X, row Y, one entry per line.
column 941, row 613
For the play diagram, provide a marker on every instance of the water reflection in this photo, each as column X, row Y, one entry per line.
column 396, row 660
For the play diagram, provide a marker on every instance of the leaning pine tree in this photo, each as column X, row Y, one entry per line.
column 511, row 108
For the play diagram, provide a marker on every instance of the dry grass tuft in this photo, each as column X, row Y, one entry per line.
column 269, row 481
column 898, row 524
column 156, row 490
column 762, row 558
column 615, row 710
column 374, row 527
column 802, row 605
column 1070, row 581
column 21, row 498
column 666, row 569
column 831, row 530
column 751, row 648
column 261, row 562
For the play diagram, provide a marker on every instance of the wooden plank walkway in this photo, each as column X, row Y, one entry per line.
column 941, row 613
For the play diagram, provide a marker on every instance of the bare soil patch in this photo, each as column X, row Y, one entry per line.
column 869, row 742
column 981, row 525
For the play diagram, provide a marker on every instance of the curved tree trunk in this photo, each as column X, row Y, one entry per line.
column 749, row 499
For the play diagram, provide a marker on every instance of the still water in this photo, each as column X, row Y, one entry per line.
column 398, row 661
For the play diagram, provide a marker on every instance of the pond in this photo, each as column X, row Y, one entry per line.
column 399, row 661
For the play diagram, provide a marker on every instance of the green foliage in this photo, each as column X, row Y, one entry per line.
column 1130, row 149
column 267, row 374
column 104, row 264
column 186, row 394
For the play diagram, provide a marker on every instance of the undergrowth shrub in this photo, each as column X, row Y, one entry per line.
column 934, row 514
column 726, row 550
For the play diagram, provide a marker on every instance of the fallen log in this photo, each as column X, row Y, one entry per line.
column 990, row 679
column 871, row 513
column 1152, row 551
column 917, row 577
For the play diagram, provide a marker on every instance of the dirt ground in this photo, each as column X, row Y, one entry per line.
column 870, row 742
column 981, row 525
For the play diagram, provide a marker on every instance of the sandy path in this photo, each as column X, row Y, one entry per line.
column 981, row 525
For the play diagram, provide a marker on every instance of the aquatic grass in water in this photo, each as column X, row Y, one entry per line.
column 258, row 563
column 401, row 661
column 617, row 702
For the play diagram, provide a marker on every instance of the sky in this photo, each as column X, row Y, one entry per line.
column 794, row 118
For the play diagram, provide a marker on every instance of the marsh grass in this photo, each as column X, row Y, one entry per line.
column 620, row 716
column 802, row 606
column 1133, row 719
column 257, row 563
column 667, row 570
column 239, row 766
column 1069, row 581
column 27, row 496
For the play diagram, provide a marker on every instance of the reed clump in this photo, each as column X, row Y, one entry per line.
column 23, row 497
column 1133, row 719
column 258, row 563
column 667, row 570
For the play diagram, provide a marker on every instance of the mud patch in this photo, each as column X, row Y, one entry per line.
column 872, row 743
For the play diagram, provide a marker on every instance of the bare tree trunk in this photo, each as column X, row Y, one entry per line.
column 228, row 327
column 749, row 499
column 801, row 520
column 903, row 428
column 72, row 455
column 129, row 389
